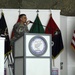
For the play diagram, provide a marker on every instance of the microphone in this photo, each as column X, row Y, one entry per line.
column 28, row 22
column 31, row 22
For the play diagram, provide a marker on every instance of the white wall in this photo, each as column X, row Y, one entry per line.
column 70, row 52
column 11, row 16
column 63, row 56
column 67, row 27
column 68, row 55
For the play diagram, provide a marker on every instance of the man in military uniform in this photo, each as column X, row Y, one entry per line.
column 20, row 28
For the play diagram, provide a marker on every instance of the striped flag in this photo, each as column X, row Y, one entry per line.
column 73, row 40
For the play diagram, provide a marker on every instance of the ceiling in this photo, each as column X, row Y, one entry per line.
column 67, row 7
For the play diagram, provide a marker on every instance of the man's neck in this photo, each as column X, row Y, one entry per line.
column 22, row 23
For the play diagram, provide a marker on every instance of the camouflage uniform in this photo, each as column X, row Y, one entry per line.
column 18, row 31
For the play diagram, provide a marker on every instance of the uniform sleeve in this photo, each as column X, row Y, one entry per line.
column 13, row 36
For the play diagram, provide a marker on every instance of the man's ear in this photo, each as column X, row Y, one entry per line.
column 21, row 19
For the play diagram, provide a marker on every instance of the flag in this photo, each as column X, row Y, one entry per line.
column 73, row 40
column 37, row 26
column 53, row 29
column 12, row 33
column 4, row 33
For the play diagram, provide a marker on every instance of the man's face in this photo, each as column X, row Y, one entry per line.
column 23, row 19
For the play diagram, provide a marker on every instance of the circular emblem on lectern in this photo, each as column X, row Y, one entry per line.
column 38, row 45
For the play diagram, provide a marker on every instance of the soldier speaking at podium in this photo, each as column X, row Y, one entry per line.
column 20, row 28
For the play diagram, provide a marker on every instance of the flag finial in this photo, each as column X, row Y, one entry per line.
column 19, row 11
column 1, row 10
column 50, row 13
column 37, row 11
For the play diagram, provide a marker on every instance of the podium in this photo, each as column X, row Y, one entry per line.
column 33, row 54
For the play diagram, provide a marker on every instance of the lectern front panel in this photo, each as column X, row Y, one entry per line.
column 37, row 58
column 18, row 51
column 18, row 66
column 37, row 66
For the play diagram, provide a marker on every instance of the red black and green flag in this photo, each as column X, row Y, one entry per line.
column 37, row 26
column 4, row 33
column 53, row 29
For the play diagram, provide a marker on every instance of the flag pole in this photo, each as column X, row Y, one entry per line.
column 37, row 11
column 53, row 58
column 5, row 59
column 1, row 10
column 19, row 11
column 8, row 64
column 50, row 11
column 19, row 8
column 38, row 17
column 53, row 63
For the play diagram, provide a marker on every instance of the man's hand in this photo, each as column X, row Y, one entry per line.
column 28, row 22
